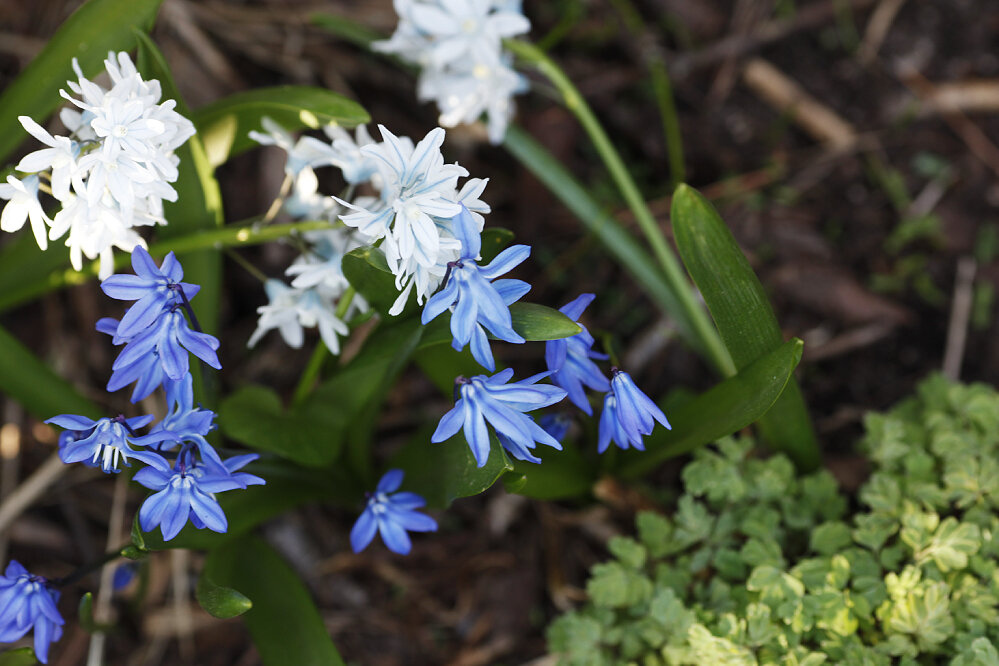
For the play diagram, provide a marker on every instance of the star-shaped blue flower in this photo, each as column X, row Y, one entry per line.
column 628, row 414
column 392, row 514
column 570, row 359
column 107, row 441
column 490, row 399
column 154, row 288
column 26, row 603
column 477, row 303
column 185, row 423
column 187, row 491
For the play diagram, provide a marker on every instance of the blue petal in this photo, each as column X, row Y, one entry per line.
column 395, row 537
column 390, row 481
column 363, row 531
column 450, row 423
column 574, row 309
column 466, row 230
column 506, row 261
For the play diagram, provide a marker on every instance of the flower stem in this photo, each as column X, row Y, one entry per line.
column 673, row 272
column 88, row 568
column 315, row 365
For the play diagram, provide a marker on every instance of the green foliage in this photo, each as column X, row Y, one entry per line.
column 741, row 311
column 756, row 566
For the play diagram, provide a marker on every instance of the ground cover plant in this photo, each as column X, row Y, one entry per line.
column 341, row 472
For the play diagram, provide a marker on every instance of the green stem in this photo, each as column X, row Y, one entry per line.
column 90, row 567
column 673, row 272
column 662, row 87
column 228, row 236
column 315, row 365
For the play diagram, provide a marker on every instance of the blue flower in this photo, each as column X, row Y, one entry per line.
column 26, row 603
column 185, row 422
column 169, row 339
column 490, row 399
column 106, row 441
column 556, row 425
column 477, row 303
column 392, row 514
column 155, row 289
column 187, row 491
column 628, row 414
column 569, row 359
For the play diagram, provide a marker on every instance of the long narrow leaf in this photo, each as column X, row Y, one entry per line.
column 629, row 252
column 721, row 410
column 33, row 384
column 88, row 34
column 284, row 623
column 742, row 313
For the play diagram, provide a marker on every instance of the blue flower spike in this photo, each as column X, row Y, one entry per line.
column 491, row 399
column 570, row 360
column 153, row 288
column 479, row 301
column 28, row 603
column 392, row 514
column 628, row 414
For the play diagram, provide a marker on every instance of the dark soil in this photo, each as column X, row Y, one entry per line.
column 826, row 230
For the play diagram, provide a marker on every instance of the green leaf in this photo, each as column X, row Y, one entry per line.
column 254, row 415
column 742, row 313
column 33, row 384
column 951, row 545
column 726, row 408
column 351, row 31
column 368, row 272
column 539, row 322
column 444, row 472
column 284, row 624
column 225, row 125
column 18, row 657
column 88, row 34
column 630, row 254
column 199, row 200
column 830, row 538
column 85, row 613
column 560, row 475
column 220, row 601
column 138, row 540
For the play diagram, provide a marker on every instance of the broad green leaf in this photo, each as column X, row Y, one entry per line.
column 254, row 415
column 225, row 125
column 444, row 472
column 288, row 486
column 26, row 272
column 742, row 313
column 368, row 272
column 726, row 408
column 494, row 241
column 199, row 201
column 560, row 475
column 43, row 393
column 284, row 623
column 88, row 34
column 952, row 544
column 18, row 657
column 220, row 601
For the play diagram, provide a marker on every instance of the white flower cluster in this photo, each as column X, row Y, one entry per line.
column 110, row 175
column 458, row 46
column 417, row 195
column 318, row 282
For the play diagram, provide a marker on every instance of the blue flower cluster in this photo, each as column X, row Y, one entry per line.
column 27, row 603
column 157, row 339
column 479, row 303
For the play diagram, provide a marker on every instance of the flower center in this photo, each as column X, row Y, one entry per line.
column 120, row 131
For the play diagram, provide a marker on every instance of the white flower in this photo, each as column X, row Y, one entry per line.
column 465, row 93
column 122, row 127
column 456, row 30
column 305, row 152
column 321, row 266
column 94, row 229
column 22, row 204
column 347, row 155
column 290, row 310
column 417, row 187
column 60, row 158
column 304, row 201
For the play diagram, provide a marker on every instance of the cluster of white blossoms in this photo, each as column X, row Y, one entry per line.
column 410, row 197
column 458, row 46
column 110, row 175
